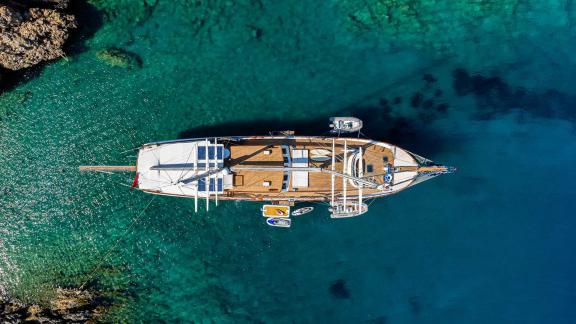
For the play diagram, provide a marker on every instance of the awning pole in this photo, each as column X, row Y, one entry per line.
column 333, row 166
column 344, row 168
column 216, row 167
column 360, row 175
column 208, row 178
column 196, row 161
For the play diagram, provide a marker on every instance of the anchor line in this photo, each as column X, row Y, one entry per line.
column 109, row 252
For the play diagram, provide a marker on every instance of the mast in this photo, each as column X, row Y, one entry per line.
column 360, row 175
column 196, row 200
column 216, row 167
column 344, row 180
column 333, row 166
column 207, row 185
column 197, row 187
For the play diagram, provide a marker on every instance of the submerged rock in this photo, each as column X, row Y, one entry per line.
column 442, row 27
column 338, row 289
column 30, row 35
column 119, row 58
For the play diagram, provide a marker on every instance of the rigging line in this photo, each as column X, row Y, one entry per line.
column 101, row 171
column 163, row 184
column 118, row 182
column 126, row 185
column 130, row 150
column 371, row 201
column 128, row 229
column 317, row 203
column 321, row 202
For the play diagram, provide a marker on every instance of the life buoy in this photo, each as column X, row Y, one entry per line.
column 388, row 178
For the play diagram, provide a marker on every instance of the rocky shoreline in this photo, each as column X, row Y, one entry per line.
column 68, row 305
column 33, row 32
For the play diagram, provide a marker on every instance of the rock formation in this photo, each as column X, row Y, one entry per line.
column 69, row 305
column 119, row 58
column 30, row 35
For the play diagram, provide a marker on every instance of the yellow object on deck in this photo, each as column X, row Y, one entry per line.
column 275, row 211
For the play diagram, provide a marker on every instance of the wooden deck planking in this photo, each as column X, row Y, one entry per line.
column 252, row 153
column 253, row 181
column 255, row 153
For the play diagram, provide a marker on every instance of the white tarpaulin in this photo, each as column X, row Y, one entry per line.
column 402, row 158
column 299, row 160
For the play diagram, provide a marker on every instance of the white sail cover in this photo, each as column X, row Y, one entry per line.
column 299, row 160
column 188, row 159
column 403, row 158
column 400, row 177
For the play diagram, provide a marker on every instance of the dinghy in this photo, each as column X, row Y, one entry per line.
column 345, row 124
column 350, row 209
column 279, row 222
column 302, row 211
column 275, row 211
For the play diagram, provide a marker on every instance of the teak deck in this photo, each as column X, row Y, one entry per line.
column 252, row 153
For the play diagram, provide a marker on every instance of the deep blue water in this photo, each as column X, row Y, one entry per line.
column 485, row 87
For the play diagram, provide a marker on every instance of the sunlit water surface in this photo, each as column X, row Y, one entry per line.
column 489, row 244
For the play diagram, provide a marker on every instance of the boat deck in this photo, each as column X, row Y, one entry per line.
column 266, row 185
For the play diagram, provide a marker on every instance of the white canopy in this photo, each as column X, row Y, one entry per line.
column 299, row 160
column 187, row 160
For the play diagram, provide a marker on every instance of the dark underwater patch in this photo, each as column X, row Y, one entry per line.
column 378, row 320
column 494, row 96
column 339, row 290
column 428, row 103
column 426, row 117
column 415, row 305
column 442, row 108
column 383, row 102
column 429, row 78
column 416, row 100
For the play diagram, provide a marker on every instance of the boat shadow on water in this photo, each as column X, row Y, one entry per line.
column 379, row 124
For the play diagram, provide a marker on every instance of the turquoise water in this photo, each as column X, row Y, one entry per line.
column 484, row 86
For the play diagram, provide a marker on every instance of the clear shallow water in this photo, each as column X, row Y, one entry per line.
column 488, row 244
